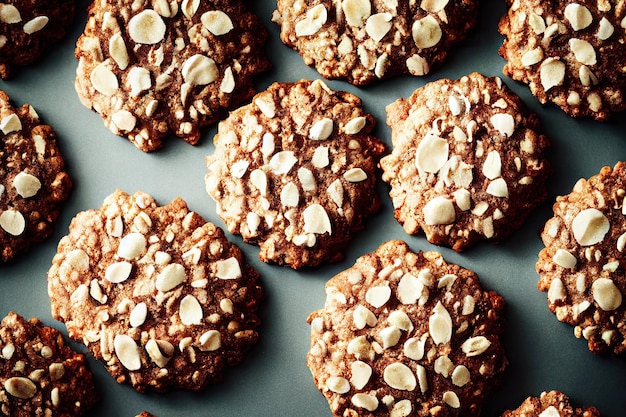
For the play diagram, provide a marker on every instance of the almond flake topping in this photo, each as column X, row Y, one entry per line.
column 10, row 124
column 434, row 6
column 532, row 57
column 26, row 185
column 170, row 277
column 160, row 351
column 315, row 18
column 399, row 376
column 316, row 220
column 498, row 188
column 378, row 296
column 439, row 210
column 366, row 401
column 199, row 70
column 290, row 195
column 320, row 157
column 9, row 14
column 440, row 325
column 12, row 222
column 104, row 80
column 583, row 51
column 217, row 22
column 132, row 246
column 36, row 24
column 190, row 7
column 460, row 376
column 475, row 346
column 210, row 341
column 228, row 269
column 118, row 272
column 322, row 129
column 138, row 315
column 431, row 154
column 492, row 167
column 355, row 175
column 361, row 374
column 450, row 398
column 426, row 32
column 606, row 294
column 606, row 29
column 338, row 384
column 127, row 352
column 190, row 310
column 550, row 412
column 590, row 226
column 578, row 16
column 355, row 125
column 378, row 25
column 20, row 387
column 552, row 73
column 414, row 348
column 356, row 11
column 282, row 162
column 564, row 259
column 118, row 51
column 362, row 316
column 147, row 27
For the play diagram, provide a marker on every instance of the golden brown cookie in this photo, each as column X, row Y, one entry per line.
column 551, row 404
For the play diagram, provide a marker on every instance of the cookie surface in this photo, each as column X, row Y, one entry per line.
column 362, row 41
column 405, row 333
column 582, row 265
column 468, row 161
column 156, row 293
column 29, row 27
column 33, row 181
column 39, row 374
column 551, row 404
column 294, row 172
column 570, row 53
column 171, row 69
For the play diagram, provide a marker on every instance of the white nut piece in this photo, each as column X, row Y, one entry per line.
column 160, row 351
column 190, row 310
column 104, row 80
column 439, row 210
column 315, row 18
column 127, row 352
column 322, row 129
column 583, row 51
column 320, row 157
column 605, row 30
column 258, row 178
column 378, row 25
column 138, row 315
column 138, row 79
column 170, row 277
column 147, row 27
column 190, row 7
column 316, row 220
column 551, row 73
column 10, row 124
column 228, row 269
column 475, row 346
column 434, row 6
column 389, row 337
column 431, row 154
column 360, row 374
column 118, row 272
column 9, row 14
column 355, row 125
column 399, row 376
column 20, row 387
column 590, row 226
column 378, row 296
column 460, row 376
column 578, row 16
column 564, row 259
column 426, row 32
column 362, row 316
column 440, row 325
column 587, row 77
column 210, row 341
column 366, row 401
column 132, row 246
column 228, row 81
column 498, row 188
column 35, row 24
column 338, row 384
column 414, row 348
column 282, row 162
column 503, row 123
column 26, row 185
column 606, row 294
column 118, row 51
column 355, row 175
column 356, row 11
column 217, row 22
column 199, row 70
column 290, row 195
column 12, row 222
column 401, row 320
column 124, row 120
column 532, row 57
column 450, row 398
column 492, row 167
column 463, row 199
column 537, row 23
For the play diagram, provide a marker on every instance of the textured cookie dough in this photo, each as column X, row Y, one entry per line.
column 572, row 53
column 468, row 161
column 159, row 295
column 362, row 41
column 33, row 181
column 157, row 68
column 29, row 27
column 582, row 265
column 39, row 374
column 405, row 333
column 295, row 172
column 551, row 404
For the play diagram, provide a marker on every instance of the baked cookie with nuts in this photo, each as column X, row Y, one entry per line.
column 39, row 374
column 363, row 41
column 162, row 67
column 571, row 53
column 582, row 265
column 29, row 27
column 468, row 161
column 156, row 293
column 295, row 172
column 551, row 404
column 33, row 180
column 404, row 333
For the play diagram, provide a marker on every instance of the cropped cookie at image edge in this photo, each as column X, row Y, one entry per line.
column 363, row 41
column 171, row 69
column 551, row 404
column 33, row 180
column 294, row 172
column 582, row 264
column 156, row 293
column 469, row 161
column 39, row 374
column 404, row 333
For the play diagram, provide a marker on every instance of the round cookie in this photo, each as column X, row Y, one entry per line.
column 405, row 333
column 156, row 293
column 362, row 41
column 294, row 172
column 33, row 183
column 468, row 161
column 551, row 404
column 29, row 27
column 39, row 374
column 570, row 53
column 582, row 265
column 157, row 68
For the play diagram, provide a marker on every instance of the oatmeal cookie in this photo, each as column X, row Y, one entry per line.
column 468, row 161
column 362, row 41
column 551, row 404
column 582, row 265
column 157, row 68
column 29, row 27
column 33, row 181
column 39, row 374
column 570, row 53
column 294, row 172
column 405, row 333
column 156, row 293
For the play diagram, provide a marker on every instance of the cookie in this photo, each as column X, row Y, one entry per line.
column 153, row 69
column 468, row 161
column 405, row 333
column 570, row 53
column 33, row 181
column 39, row 374
column 551, row 404
column 145, row 414
column 582, row 264
column 157, row 294
column 295, row 172
column 29, row 28
column 363, row 41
